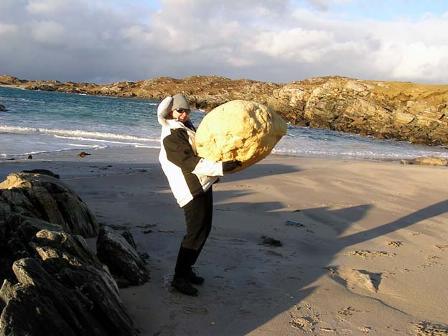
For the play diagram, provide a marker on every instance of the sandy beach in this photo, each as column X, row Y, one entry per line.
column 363, row 244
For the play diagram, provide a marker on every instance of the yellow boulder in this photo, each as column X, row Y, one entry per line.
column 239, row 130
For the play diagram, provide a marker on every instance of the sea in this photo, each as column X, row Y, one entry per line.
column 45, row 122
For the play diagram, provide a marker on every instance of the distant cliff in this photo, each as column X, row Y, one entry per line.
column 407, row 111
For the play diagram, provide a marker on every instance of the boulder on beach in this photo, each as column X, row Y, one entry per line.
column 121, row 257
column 51, row 281
column 40, row 194
column 239, row 130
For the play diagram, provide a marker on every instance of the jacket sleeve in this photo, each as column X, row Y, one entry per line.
column 180, row 152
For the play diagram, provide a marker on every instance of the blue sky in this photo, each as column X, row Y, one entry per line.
column 269, row 40
column 384, row 10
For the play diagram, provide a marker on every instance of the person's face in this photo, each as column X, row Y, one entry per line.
column 181, row 115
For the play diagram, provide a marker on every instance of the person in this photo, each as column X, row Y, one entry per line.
column 190, row 178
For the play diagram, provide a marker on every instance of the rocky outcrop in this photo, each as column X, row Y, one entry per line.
column 407, row 111
column 52, row 283
column 115, row 251
column 10, row 80
column 47, row 198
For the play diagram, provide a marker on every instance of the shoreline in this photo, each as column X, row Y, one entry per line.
column 361, row 241
column 67, row 154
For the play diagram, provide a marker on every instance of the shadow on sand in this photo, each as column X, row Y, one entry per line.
column 279, row 278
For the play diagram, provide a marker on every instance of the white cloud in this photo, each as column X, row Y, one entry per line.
column 6, row 28
column 50, row 7
column 297, row 44
column 271, row 40
column 48, row 32
column 325, row 4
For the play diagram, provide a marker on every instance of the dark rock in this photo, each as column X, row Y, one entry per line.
column 75, row 301
column 55, row 285
column 129, row 238
column 294, row 223
column 19, row 316
column 70, row 288
column 73, row 248
column 41, row 171
column 47, row 198
column 122, row 259
column 270, row 241
column 2, row 108
column 30, row 157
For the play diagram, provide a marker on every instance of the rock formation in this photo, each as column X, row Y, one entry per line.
column 45, row 197
column 239, row 130
column 120, row 256
column 52, row 283
column 407, row 111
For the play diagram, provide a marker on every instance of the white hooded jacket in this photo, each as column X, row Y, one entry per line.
column 188, row 175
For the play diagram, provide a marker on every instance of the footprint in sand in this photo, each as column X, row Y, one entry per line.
column 442, row 247
column 395, row 243
column 370, row 254
column 426, row 328
column 304, row 317
column 354, row 279
column 348, row 311
column 431, row 261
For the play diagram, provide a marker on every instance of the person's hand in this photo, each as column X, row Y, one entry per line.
column 228, row 166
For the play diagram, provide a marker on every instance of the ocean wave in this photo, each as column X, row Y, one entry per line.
column 79, row 134
column 367, row 154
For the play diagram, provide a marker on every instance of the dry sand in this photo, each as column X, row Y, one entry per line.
column 364, row 244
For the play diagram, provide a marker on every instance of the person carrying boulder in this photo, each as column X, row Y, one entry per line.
column 190, row 178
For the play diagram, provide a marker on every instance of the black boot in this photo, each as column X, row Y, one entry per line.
column 181, row 280
column 184, row 286
column 194, row 278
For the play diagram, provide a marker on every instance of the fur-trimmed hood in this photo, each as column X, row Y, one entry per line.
column 163, row 110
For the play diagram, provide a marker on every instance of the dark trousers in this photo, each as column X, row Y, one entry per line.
column 198, row 218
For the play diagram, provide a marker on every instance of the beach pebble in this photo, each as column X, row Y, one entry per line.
column 83, row 154
column 270, row 241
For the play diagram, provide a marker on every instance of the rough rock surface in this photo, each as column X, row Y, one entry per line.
column 408, row 111
column 120, row 256
column 45, row 197
column 239, row 130
column 51, row 282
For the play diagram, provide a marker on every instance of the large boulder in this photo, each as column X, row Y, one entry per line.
column 51, row 282
column 44, row 196
column 239, row 130
column 121, row 257
column 62, row 279
column 74, row 300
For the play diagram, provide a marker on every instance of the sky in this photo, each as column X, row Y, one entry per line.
column 280, row 41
